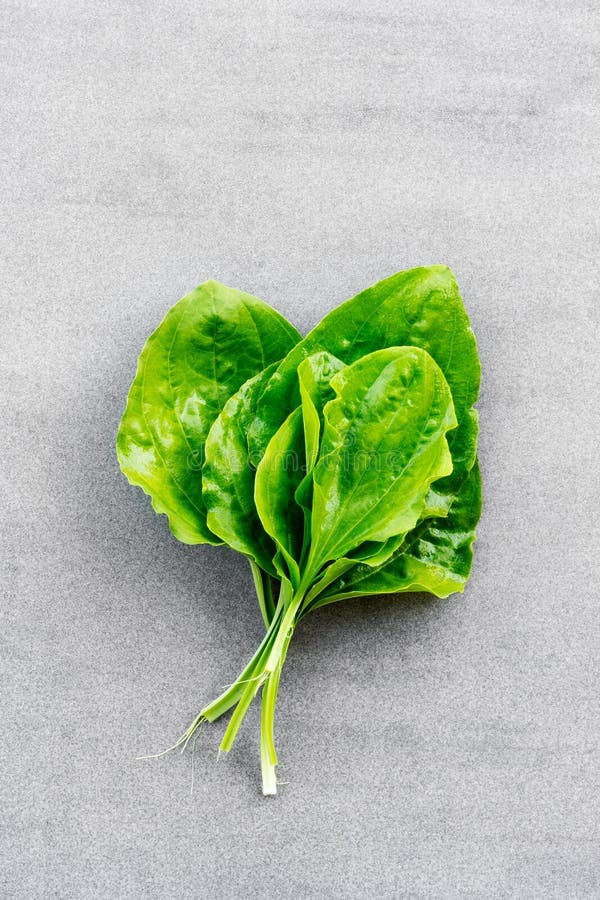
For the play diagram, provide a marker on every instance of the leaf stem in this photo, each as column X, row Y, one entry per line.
column 266, row 672
column 286, row 627
column 268, row 753
column 233, row 693
column 240, row 711
column 261, row 669
column 262, row 583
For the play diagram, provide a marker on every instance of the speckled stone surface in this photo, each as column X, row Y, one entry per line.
column 300, row 151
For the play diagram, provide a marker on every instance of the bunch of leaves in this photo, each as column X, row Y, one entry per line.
column 341, row 465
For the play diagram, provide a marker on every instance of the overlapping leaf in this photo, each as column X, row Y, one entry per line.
column 206, row 347
column 436, row 558
column 420, row 307
column 384, row 443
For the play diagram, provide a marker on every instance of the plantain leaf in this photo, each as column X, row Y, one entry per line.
column 207, row 346
column 384, row 443
column 278, row 475
column 436, row 558
column 228, row 478
column 314, row 376
column 419, row 307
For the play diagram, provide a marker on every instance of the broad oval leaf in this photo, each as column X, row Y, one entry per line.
column 437, row 556
column 384, row 443
column 278, row 476
column 228, row 478
column 206, row 347
column 419, row 307
column 314, row 377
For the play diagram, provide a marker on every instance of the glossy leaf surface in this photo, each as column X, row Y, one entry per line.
column 207, row 346
column 314, row 377
column 420, row 307
column 384, row 443
column 278, row 475
column 436, row 558
column 228, row 478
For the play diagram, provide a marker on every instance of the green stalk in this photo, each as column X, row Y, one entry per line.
column 268, row 754
column 262, row 584
column 266, row 674
column 270, row 604
column 248, row 688
column 235, row 691
column 228, row 698
column 240, row 711
column 263, row 670
column 245, row 688
column 287, row 625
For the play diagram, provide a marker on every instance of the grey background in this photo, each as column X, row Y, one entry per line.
column 300, row 151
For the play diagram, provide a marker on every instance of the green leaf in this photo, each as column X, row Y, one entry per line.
column 278, row 475
column 463, row 447
column 420, row 307
column 314, row 376
column 207, row 346
column 384, row 443
column 444, row 493
column 436, row 558
column 228, row 477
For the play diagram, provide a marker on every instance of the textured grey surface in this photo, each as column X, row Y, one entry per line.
column 301, row 151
